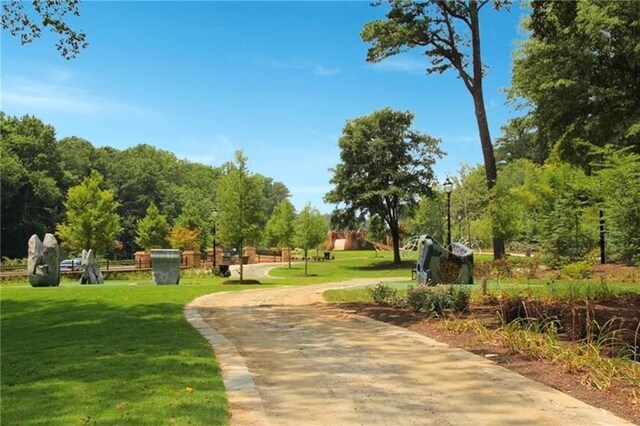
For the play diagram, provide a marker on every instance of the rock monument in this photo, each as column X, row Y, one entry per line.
column 90, row 270
column 43, row 261
column 165, row 266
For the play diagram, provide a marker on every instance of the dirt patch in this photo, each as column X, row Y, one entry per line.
column 243, row 282
column 622, row 400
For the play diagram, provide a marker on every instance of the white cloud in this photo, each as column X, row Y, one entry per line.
column 302, row 65
column 320, row 70
column 212, row 151
column 406, row 64
column 54, row 93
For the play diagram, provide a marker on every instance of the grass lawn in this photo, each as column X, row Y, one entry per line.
column 119, row 353
column 122, row 352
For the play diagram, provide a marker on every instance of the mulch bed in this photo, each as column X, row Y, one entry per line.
column 618, row 399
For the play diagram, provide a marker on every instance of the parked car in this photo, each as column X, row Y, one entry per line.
column 68, row 265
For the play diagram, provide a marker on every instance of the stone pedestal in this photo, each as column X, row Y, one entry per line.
column 165, row 264
column 218, row 255
column 191, row 259
column 250, row 252
column 142, row 259
column 286, row 254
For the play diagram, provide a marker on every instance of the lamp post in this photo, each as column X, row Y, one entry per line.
column 214, row 212
column 448, row 187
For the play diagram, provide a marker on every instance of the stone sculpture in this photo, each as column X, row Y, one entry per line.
column 43, row 261
column 437, row 265
column 90, row 270
column 165, row 266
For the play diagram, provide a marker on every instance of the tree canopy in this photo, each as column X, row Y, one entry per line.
column 153, row 229
column 385, row 166
column 577, row 75
column 310, row 231
column 29, row 23
column 239, row 201
column 450, row 33
column 92, row 221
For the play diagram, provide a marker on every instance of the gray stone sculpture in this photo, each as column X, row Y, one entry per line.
column 90, row 270
column 165, row 266
column 43, row 261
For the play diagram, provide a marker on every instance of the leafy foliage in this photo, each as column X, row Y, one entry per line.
column 31, row 181
column 310, row 231
column 92, row 221
column 578, row 76
column 384, row 166
column 280, row 229
column 239, row 203
column 28, row 25
column 449, row 31
column 153, row 229
column 184, row 238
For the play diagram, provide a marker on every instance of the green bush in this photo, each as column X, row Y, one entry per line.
column 576, row 270
column 381, row 294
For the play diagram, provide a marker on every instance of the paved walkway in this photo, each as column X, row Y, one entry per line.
column 289, row 359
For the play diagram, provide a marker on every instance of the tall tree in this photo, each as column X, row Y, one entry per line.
column 578, row 75
column 54, row 15
column 92, row 221
column 153, row 229
column 280, row 226
column 450, row 32
column 31, row 181
column 310, row 230
column 239, row 201
column 384, row 167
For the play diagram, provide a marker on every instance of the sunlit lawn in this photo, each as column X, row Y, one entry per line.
column 122, row 352
column 110, row 354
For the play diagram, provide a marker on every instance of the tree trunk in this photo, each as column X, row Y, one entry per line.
column 395, row 236
column 306, row 261
column 481, row 116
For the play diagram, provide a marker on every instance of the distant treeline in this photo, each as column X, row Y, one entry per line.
column 38, row 169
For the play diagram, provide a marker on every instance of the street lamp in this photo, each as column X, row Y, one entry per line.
column 214, row 212
column 448, row 187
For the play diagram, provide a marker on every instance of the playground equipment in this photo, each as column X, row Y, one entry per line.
column 437, row 265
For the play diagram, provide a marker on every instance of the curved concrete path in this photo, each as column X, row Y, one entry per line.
column 289, row 359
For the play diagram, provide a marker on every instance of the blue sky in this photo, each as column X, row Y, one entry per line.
column 276, row 79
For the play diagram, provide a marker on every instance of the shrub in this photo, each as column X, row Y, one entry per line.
column 381, row 294
column 577, row 270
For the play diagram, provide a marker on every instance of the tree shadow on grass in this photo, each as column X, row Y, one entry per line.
column 384, row 266
column 69, row 362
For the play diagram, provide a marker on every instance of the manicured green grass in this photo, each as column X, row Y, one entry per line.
column 122, row 352
column 347, row 265
column 118, row 353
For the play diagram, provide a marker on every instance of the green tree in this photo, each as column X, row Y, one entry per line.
column 31, row 182
column 450, row 32
column 54, row 15
column 577, row 75
column 184, row 239
column 384, row 166
column 92, row 221
column 239, row 202
column 153, row 229
column 77, row 158
column 310, row 230
column 280, row 227
column 191, row 218
column 620, row 189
